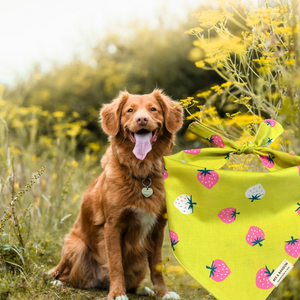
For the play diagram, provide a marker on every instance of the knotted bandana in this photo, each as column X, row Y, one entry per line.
column 231, row 229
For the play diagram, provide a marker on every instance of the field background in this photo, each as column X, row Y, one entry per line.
column 51, row 143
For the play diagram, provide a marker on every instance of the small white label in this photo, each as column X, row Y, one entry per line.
column 279, row 274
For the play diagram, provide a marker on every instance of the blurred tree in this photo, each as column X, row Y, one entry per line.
column 135, row 58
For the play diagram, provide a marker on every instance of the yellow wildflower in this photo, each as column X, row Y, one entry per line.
column 16, row 124
column 200, row 64
column 204, row 94
column 77, row 196
column 175, row 269
column 75, row 114
column 94, row 146
column 24, row 110
column 210, row 60
column 15, row 150
column 226, row 84
column 291, row 62
column 189, row 136
column 33, row 122
column 195, row 54
column 159, row 267
column 243, row 119
column 58, row 114
column 211, row 110
column 186, row 102
column 196, row 115
column 85, row 132
column 194, row 31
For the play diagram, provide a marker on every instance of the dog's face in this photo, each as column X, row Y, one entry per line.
column 141, row 119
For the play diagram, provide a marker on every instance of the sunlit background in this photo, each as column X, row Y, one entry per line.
column 47, row 31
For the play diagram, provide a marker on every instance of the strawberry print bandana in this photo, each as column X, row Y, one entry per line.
column 231, row 229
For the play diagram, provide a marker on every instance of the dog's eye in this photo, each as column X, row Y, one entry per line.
column 153, row 109
column 130, row 110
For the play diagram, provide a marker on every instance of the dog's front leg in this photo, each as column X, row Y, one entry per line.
column 113, row 241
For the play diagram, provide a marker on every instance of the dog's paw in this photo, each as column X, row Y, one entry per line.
column 56, row 282
column 171, row 295
column 146, row 292
column 113, row 296
column 123, row 297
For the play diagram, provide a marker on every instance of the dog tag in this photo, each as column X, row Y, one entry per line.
column 147, row 192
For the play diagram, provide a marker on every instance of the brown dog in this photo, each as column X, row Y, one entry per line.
column 120, row 230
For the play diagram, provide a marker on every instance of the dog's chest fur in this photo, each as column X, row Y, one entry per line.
column 146, row 221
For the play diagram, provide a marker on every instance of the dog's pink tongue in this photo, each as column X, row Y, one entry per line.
column 142, row 145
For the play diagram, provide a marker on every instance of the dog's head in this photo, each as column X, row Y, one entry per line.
column 141, row 119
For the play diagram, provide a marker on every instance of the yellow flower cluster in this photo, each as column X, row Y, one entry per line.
column 259, row 62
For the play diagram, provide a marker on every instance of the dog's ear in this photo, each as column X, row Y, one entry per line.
column 173, row 113
column 110, row 114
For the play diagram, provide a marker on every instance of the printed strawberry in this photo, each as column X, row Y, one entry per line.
column 255, row 236
column 298, row 209
column 173, row 238
column 270, row 122
column 267, row 160
column 208, row 177
column 262, row 278
column 216, row 140
column 165, row 174
column 298, row 169
column 228, row 215
column 292, row 247
column 185, row 204
column 255, row 192
column 192, row 151
column 219, row 270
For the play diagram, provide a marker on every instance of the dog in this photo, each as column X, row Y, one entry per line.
column 120, row 228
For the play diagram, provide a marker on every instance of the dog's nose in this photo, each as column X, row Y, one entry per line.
column 142, row 120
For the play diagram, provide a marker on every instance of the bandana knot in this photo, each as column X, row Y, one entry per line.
column 246, row 148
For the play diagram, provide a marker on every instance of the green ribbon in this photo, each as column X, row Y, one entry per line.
column 215, row 158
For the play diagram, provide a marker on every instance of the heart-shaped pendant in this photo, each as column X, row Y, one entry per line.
column 147, row 192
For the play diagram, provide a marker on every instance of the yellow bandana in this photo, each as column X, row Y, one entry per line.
column 231, row 229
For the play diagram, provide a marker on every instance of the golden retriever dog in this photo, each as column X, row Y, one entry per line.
column 120, row 228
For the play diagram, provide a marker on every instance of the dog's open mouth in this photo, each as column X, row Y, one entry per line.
column 142, row 140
